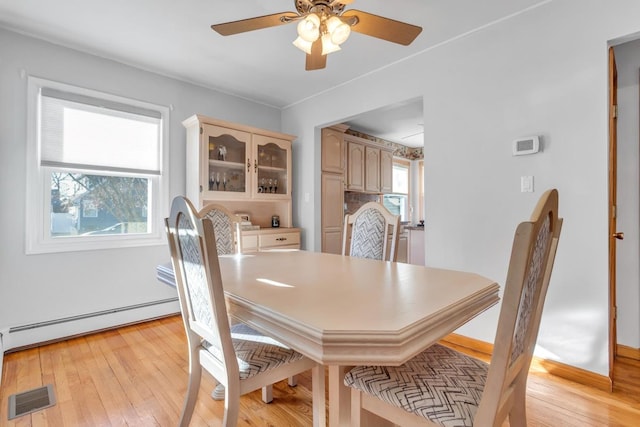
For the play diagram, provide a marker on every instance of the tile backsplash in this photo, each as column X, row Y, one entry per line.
column 353, row 200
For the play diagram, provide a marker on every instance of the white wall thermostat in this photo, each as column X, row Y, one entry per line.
column 528, row 145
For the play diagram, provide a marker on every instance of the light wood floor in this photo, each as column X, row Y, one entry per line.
column 137, row 375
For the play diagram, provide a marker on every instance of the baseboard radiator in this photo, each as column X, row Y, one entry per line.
column 2, row 333
column 29, row 335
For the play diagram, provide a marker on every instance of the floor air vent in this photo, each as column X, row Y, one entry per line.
column 31, row 401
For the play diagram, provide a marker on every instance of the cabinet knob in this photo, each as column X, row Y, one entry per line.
column 248, row 165
column 281, row 239
column 255, row 166
column 619, row 235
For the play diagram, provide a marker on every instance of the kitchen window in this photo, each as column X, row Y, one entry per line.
column 96, row 173
column 397, row 202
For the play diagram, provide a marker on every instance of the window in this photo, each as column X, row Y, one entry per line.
column 96, row 170
column 398, row 201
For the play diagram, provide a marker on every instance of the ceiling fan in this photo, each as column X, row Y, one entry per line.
column 323, row 25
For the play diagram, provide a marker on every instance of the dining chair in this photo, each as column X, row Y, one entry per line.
column 443, row 387
column 229, row 241
column 371, row 232
column 226, row 226
column 242, row 360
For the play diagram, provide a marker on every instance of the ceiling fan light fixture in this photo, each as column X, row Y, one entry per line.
column 338, row 30
column 303, row 45
column 328, row 46
column 309, row 28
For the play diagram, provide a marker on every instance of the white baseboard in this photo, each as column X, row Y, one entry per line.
column 42, row 332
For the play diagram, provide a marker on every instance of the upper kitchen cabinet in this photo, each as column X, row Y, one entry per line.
column 386, row 171
column 333, row 150
column 246, row 167
column 355, row 165
column 369, row 166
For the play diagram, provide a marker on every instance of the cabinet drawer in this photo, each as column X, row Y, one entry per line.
column 250, row 243
column 279, row 240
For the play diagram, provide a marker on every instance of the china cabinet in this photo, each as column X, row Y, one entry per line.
column 246, row 169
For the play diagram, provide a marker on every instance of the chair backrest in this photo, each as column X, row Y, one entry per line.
column 532, row 257
column 192, row 243
column 371, row 232
column 227, row 228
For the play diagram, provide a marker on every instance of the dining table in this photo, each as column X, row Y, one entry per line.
column 344, row 311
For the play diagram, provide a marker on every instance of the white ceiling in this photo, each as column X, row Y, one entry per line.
column 174, row 38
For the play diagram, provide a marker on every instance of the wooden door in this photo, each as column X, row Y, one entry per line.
column 613, row 232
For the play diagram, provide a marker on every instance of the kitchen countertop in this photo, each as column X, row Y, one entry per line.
column 414, row 227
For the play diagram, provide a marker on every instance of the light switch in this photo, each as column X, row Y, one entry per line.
column 526, row 184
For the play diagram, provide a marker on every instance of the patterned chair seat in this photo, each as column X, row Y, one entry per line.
column 439, row 384
column 255, row 352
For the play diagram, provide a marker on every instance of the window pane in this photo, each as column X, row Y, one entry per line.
column 397, row 204
column 400, row 179
column 90, row 205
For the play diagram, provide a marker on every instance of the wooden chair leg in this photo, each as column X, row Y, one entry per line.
column 192, row 395
column 232, row 406
column 518, row 413
column 267, row 393
column 356, row 408
column 318, row 396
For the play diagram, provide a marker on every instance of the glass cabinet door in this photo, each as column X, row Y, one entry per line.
column 227, row 156
column 271, row 160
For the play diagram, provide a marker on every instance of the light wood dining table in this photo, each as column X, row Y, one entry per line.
column 343, row 311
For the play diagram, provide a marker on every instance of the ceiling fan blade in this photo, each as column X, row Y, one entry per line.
column 251, row 24
column 316, row 60
column 382, row 28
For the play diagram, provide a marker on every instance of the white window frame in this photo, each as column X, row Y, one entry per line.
column 38, row 185
column 407, row 165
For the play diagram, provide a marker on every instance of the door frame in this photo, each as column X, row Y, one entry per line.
column 613, row 185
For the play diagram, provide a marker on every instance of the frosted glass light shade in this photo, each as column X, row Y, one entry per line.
column 327, row 45
column 303, row 45
column 309, row 28
column 339, row 30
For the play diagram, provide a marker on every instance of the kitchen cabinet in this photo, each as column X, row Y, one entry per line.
column 369, row 166
column 355, row 166
column 334, row 154
column 333, row 150
column 386, row 171
column 415, row 250
column 245, row 169
column 402, row 246
column 332, row 215
column 372, row 169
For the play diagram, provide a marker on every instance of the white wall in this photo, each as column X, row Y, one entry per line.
column 543, row 72
column 38, row 288
column 628, row 250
